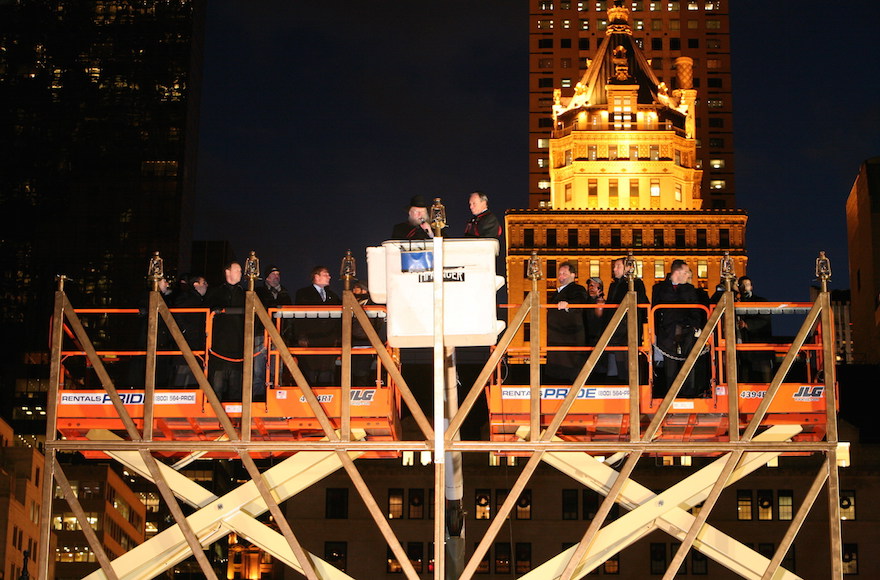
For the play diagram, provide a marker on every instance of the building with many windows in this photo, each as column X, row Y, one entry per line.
column 116, row 513
column 863, row 236
column 564, row 36
column 21, row 500
column 625, row 174
column 555, row 511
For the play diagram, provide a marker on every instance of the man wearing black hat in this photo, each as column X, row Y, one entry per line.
column 272, row 294
column 417, row 227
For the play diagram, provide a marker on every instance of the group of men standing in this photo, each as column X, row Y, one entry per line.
column 676, row 329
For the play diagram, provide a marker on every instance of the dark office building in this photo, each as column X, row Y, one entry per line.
column 97, row 147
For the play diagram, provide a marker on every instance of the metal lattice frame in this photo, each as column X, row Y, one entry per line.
column 237, row 510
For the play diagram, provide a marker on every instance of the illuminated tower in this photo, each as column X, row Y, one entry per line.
column 624, row 175
column 565, row 34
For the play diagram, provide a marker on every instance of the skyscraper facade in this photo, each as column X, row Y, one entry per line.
column 97, row 142
column 564, row 35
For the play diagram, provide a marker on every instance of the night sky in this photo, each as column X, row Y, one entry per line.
column 320, row 120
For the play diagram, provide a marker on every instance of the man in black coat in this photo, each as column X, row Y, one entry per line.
column 417, row 226
column 617, row 360
column 754, row 366
column 191, row 295
column 483, row 224
column 566, row 327
column 227, row 346
column 318, row 332
column 677, row 328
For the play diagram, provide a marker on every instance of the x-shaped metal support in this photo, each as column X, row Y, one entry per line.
column 216, row 517
column 665, row 511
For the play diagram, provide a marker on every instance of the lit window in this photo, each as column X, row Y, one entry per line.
column 674, row 24
column 483, row 504
column 612, row 565
column 744, row 504
column 639, row 25
column 717, row 184
column 654, row 152
column 765, row 504
column 592, row 152
column 545, row 24
column 659, row 270
column 673, row 6
column 601, row 5
column 713, row 5
column 693, row 6
column 543, row 162
column 524, row 503
column 655, row 187
column 566, row 83
column 567, row 157
column 392, row 565
column 655, row 6
column 566, row 24
column 716, row 163
column 713, row 63
column 568, row 194
column 612, row 152
column 601, row 24
column 582, row 6
column 544, row 184
column 713, row 24
column 850, row 559
column 336, row 553
column 395, row 503
column 677, row 192
column 784, row 504
column 715, row 103
column 543, row 143
column 585, row 24
column 415, row 552
column 848, row 504
column 612, row 194
column 502, row 558
column 594, row 268
column 702, row 269
column 545, row 5
column 523, row 557
column 416, row 504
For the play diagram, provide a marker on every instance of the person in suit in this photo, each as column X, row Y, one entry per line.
column 319, row 332
column 227, row 347
column 755, row 366
column 617, row 290
column 677, row 330
column 271, row 294
column 483, row 223
column 565, row 327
